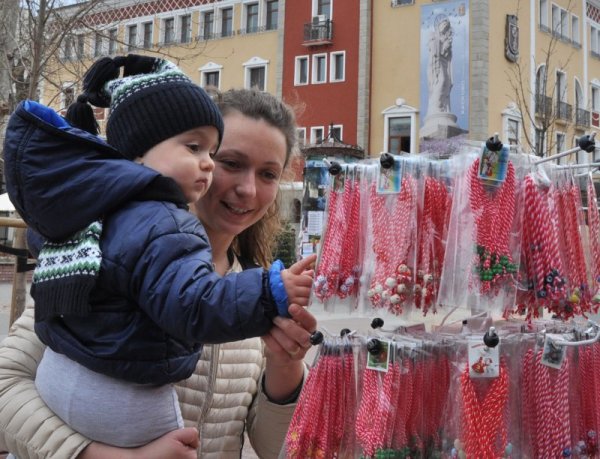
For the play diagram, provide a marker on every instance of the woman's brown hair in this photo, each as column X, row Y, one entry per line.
column 256, row 243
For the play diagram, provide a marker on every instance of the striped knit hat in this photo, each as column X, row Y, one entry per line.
column 153, row 101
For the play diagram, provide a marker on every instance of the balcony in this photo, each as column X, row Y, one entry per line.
column 318, row 32
column 543, row 106
column 582, row 117
column 564, row 111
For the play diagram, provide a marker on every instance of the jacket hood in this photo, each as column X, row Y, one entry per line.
column 59, row 178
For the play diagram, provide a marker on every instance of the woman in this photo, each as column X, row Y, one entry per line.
column 234, row 385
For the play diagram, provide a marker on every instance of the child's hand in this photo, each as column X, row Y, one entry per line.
column 298, row 280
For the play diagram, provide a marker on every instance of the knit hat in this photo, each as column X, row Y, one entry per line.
column 153, row 101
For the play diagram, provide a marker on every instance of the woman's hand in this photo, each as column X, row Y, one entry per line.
column 178, row 444
column 286, row 345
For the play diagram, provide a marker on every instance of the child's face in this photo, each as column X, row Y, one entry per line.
column 187, row 159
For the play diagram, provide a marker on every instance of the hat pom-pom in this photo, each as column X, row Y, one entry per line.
column 101, row 72
column 80, row 114
column 136, row 64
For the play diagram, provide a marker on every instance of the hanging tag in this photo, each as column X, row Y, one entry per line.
column 484, row 362
column 390, row 180
column 553, row 354
column 493, row 165
column 381, row 360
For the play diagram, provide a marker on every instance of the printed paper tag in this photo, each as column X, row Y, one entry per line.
column 553, row 354
column 381, row 360
column 484, row 362
column 390, row 180
column 493, row 165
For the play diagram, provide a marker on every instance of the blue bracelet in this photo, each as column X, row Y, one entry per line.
column 277, row 289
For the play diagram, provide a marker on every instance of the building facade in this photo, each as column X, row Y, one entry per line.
column 386, row 75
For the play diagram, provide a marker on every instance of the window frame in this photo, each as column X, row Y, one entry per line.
column 301, row 138
column 315, row 68
column 400, row 110
column 113, row 41
column 252, row 64
column 313, row 131
column 145, row 27
column 131, row 43
column 269, row 15
column 333, row 66
column 221, row 21
column 208, row 68
column 544, row 19
column 184, row 32
column 297, row 70
column 168, row 25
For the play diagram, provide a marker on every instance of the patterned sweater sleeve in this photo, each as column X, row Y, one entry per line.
column 28, row 428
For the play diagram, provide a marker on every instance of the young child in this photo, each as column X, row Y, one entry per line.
column 125, row 290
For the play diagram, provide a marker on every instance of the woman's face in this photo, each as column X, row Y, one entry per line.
column 248, row 168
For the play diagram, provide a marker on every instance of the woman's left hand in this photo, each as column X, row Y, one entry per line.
column 289, row 339
column 286, row 345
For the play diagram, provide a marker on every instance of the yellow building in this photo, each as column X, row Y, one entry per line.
column 518, row 68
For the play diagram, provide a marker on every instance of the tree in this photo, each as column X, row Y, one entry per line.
column 542, row 106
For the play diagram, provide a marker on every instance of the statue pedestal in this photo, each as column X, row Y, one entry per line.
column 440, row 126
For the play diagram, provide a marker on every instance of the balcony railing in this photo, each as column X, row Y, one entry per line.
column 564, row 111
column 582, row 117
column 543, row 105
column 318, row 33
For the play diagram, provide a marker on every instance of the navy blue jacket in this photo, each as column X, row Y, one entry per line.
column 157, row 297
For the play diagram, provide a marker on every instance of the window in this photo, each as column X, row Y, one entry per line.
column 226, row 22
column 256, row 76
column 272, row 20
column 148, row 28
column 596, row 98
column 301, row 72
column 575, row 30
column 112, row 41
column 98, row 45
column 561, row 86
column 560, row 142
column 185, row 28
column 544, row 14
column 208, row 20
column 335, row 132
column 68, row 47
column 560, row 25
column 67, row 95
column 211, row 79
column 399, row 129
column 319, row 65
column 324, row 8
column 301, row 136
column 316, row 134
column 210, row 75
column 131, row 37
column 168, row 30
column 80, row 45
column 402, row 2
column 540, row 142
column 595, row 41
column 513, row 132
column 337, row 66
column 251, row 17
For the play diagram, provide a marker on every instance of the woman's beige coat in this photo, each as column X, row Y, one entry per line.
column 222, row 397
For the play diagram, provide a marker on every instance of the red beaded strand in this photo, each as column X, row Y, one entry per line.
column 484, row 423
column 350, row 255
column 393, row 230
column 493, row 214
column 431, row 248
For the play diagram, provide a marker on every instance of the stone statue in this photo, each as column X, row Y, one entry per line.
column 439, row 67
column 439, row 121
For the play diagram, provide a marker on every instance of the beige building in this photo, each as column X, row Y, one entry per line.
column 529, row 68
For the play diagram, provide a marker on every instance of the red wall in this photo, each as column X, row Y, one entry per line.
column 322, row 104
